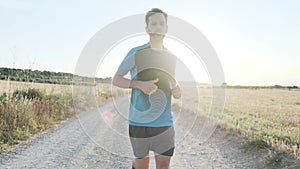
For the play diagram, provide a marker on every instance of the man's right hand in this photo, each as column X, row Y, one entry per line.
column 148, row 87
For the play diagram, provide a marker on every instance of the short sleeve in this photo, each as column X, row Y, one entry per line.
column 127, row 63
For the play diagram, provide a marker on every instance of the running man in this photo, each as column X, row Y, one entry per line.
column 150, row 115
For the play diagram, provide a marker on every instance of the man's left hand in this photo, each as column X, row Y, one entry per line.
column 176, row 92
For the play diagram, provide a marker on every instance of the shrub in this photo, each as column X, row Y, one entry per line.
column 30, row 94
column 3, row 98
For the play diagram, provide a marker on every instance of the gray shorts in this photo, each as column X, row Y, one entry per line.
column 158, row 139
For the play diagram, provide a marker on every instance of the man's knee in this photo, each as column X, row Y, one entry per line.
column 141, row 163
column 162, row 162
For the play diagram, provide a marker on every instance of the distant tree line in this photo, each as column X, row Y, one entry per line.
column 289, row 87
column 28, row 75
column 262, row 87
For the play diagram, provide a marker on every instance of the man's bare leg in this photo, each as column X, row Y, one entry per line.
column 162, row 162
column 141, row 163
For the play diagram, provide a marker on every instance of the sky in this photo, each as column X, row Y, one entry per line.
column 257, row 41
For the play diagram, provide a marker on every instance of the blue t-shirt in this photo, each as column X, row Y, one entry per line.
column 146, row 110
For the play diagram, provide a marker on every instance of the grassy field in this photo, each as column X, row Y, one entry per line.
column 265, row 116
column 268, row 115
column 30, row 108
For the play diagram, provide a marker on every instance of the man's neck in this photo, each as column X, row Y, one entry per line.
column 156, row 43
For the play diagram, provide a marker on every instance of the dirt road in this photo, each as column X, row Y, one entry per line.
column 99, row 139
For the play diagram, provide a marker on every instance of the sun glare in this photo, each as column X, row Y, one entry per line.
column 189, row 65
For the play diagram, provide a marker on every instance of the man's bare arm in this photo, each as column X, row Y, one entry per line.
column 120, row 81
column 147, row 87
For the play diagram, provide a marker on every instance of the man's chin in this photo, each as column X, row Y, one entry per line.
column 158, row 35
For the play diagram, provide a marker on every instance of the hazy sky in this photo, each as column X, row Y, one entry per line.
column 257, row 41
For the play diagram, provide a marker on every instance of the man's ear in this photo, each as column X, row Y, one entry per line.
column 146, row 29
column 167, row 28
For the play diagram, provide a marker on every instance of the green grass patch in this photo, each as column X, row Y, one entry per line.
column 254, row 143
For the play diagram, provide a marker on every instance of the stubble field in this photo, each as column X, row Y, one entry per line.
column 267, row 117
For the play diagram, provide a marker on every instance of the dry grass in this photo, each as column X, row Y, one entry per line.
column 11, row 86
column 23, row 117
column 271, row 116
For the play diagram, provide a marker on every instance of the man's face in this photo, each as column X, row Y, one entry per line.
column 157, row 25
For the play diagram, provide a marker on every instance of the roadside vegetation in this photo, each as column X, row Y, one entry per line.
column 27, row 108
column 267, row 117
